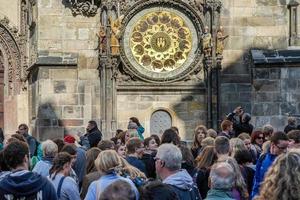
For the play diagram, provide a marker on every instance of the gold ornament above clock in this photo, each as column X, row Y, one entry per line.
column 160, row 41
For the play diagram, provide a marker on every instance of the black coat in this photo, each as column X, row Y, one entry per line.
column 148, row 160
column 94, row 136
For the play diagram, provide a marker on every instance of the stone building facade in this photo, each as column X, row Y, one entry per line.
column 58, row 70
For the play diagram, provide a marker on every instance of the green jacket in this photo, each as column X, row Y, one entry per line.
column 217, row 194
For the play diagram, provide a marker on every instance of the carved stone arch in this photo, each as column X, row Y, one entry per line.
column 9, row 46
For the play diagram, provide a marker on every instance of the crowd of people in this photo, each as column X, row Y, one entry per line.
column 240, row 162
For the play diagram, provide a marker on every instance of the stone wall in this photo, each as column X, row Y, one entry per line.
column 250, row 24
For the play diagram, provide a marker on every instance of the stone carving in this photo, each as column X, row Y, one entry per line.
column 160, row 121
column 220, row 41
column 115, row 35
column 102, row 40
column 206, row 42
column 84, row 7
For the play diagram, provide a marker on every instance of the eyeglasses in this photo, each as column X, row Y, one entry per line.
column 260, row 138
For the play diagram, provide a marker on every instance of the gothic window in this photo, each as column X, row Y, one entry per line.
column 160, row 121
column 294, row 36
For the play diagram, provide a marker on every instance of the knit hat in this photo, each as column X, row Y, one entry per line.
column 69, row 139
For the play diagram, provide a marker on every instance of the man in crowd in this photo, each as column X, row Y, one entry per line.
column 93, row 134
column 241, row 121
column 222, row 147
column 31, row 141
column 226, row 127
column 279, row 144
column 168, row 167
column 21, row 183
column 294, row 138
column 221, row 182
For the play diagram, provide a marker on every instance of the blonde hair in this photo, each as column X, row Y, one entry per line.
column 209, row 141
column 107, row 160
column 236, row 144
column 265, row 147
column 283, row 178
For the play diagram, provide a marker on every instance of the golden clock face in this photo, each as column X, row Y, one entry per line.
column 160, row 41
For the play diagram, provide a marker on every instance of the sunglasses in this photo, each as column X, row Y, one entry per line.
column 260, row 138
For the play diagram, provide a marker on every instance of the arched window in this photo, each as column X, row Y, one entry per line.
column 160, row 121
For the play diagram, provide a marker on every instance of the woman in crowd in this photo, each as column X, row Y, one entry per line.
column 199, row 134
column 119, row 190
column 203, row 164
column 187, row 160
column 136, row 125
column 135, row 150
column 240, row 191
column 107, row 163
column 71, row 149
column 65, row 186
column 91, row 172
column 49, row 149
column 283, row 178
column 247, row 141
column 257, row 140
column 124, row 137
column 121, row 150
column 148, row 156
column 236, row 144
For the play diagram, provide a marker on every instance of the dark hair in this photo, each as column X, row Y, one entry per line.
column 1, row 135
column 3, row 165
column 255, row 135
column 114, row 139
column 196, row 143
column 135, row 120
column 14, row 154
column 246, row 117
column 106, row 145
column 225, row 123
column 294, row 135
column 207, row 158
column 243, row 156
column 58, row 163
column 279, row 135
column 23, row 125
column 156, row 190
column 132, row 144
column 118, row 131
column 147, row 140
column 70, row 149
column 156, row 138
column 91, row 156
column 60, row 143
column 170, row 136
column 121, row 136
column 187, row 155
column 19, row 137
column 222, row 145
column 94, row 123
column 175, row 129
column 118, row 190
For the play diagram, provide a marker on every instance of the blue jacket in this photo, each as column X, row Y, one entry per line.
column 183, row 185
column 97, row 187
column 43, row 166
column 27, row 185
column 136, row 163
column 262, row 166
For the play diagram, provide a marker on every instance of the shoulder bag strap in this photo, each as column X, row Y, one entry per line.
column 59, row 186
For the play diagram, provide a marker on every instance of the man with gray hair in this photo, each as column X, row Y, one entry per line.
column 168, row 167
column 221, row 182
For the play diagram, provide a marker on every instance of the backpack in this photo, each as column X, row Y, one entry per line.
column 193, row 193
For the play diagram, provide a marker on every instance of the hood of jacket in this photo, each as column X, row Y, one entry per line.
column 22, row 183
column 181, row 179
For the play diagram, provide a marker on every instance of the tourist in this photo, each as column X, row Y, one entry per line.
column 245, row 137
column 121, row 150
column 203, row 165
column 222, row 148
column 283, row 178
column 148, row 156
column 118, row 190
column 71, row 149
column 21, row 183
column 170, row 136
column 279, row 144
column 134, row 123
column 135, row 150
column 257, row 140
column 65, row 186
column 187, row 162
column 236, row 144
column 294, row 138
column 31, row 141
column 60, row 143
column 107, row 163
column 291, row 125
column 106, row 145
column 221, row 182
column 212, row 133
column 91, row 172
column 168, row 168
column 43, row 166
column 226, row 127
column 199, row 134
column 267, row 130
column 156, row 190
column 93, row 134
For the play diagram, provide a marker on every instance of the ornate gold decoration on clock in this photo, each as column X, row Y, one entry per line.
column 161, row 41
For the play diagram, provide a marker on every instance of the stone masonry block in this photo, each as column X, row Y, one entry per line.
column 63, row 74
column 68, row 99
column 70, row 112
